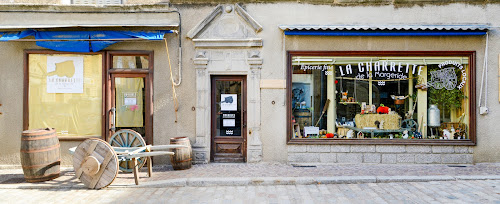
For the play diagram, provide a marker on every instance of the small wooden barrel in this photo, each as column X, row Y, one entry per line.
column 40, row 155
column 182, row 158
column 303, row 117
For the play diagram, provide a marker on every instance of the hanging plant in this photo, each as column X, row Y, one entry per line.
column 446, row 98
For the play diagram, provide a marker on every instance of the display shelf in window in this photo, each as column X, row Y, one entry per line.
column 348, row 103
column 388, row 87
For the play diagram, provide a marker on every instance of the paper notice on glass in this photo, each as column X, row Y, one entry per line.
column 129, row 99
column 228, row 122
column 228, row 102
column 311, row 130
column 64, row 74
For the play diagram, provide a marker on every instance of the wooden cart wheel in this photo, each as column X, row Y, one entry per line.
column 409, row 123
column 95, row 163
column 128, row 138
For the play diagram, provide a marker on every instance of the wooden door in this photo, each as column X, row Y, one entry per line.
column 130, row 105
column 129, row 93
column 228, row 119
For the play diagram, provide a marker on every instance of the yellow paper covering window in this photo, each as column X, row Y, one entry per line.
column 129, row 102
column 65, row 97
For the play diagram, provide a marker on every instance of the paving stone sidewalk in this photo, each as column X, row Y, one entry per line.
column 216, row 174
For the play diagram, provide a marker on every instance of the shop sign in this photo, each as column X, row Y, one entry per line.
column 389, row 70
column 64, row 74
column 446, row 77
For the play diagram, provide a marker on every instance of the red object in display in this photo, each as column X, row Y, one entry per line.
column 329, row 135
column 383, row 109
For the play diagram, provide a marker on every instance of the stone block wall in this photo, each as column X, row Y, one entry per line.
column 385, row 154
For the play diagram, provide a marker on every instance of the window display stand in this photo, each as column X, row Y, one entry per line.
column 432, row 132
column 372, row 132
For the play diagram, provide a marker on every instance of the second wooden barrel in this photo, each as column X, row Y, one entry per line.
column 303, row 117
column 40, row 155
column 182, row 158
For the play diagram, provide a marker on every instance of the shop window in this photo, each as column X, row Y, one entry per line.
column 65, row 93
column 393, row 97
column 130, row 62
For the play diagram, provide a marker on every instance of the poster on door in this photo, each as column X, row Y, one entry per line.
column 64, row 74
column 129, row 99
column 228, row 102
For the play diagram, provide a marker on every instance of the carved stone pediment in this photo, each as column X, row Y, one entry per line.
column 227, row 25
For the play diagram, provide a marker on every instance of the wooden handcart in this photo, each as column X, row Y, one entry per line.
column 97, row 162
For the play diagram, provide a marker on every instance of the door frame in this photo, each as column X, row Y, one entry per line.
column 147, row 74
column 213, row 124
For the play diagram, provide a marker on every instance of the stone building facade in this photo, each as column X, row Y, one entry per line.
column 253, row 40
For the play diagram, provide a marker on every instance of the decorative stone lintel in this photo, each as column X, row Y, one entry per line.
column 198, row 28
column 217, row 11
column 255, row 63
column 210, row 43
column 243, row 14
column 200, row 63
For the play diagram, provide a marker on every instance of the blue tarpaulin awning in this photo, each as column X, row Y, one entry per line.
column 82, row 41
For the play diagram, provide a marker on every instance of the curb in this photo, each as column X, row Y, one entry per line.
column 261, row 181
column 265, row 181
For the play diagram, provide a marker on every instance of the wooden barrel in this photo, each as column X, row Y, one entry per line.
column 40, row 155
column 303, row 117
column 182, row 158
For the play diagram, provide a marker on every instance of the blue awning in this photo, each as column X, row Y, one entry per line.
column 385, row 30
column 7, row 36
column 81, row 41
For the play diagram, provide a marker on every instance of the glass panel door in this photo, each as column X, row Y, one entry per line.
column 128, row 105
column 228, row 119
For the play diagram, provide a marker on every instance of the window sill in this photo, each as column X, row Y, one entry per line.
column 379, row 142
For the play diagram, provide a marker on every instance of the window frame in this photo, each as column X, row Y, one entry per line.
column 369, row 141
column 26, row 90
column 148, row 75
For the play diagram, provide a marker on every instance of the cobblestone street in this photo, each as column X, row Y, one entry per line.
column 471, row 191
column 263, row 183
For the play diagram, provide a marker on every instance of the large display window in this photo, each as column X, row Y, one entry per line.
column 381, row 97
column 65, row 92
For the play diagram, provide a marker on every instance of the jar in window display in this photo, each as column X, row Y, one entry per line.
column 433, row 115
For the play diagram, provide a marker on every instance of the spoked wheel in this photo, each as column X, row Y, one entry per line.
column 128, row 138
column 410, row 123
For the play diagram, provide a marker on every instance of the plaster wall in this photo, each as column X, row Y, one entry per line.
column 296, row 14
column 165, row 127
column 164, row 119
column 270, row 16
column 11, row 98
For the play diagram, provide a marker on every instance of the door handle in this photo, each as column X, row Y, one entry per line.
column 112, row 112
